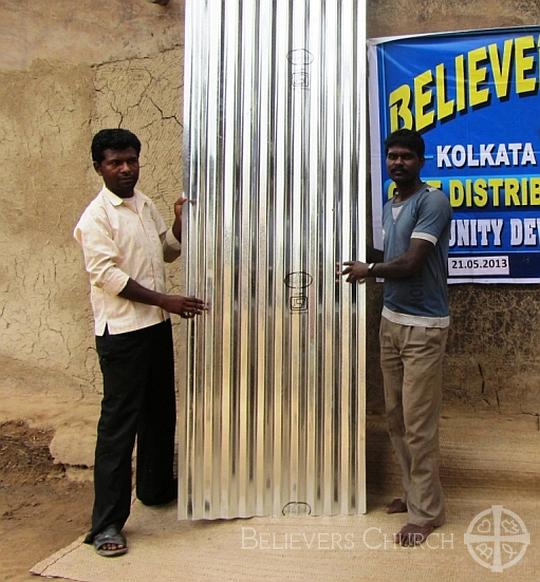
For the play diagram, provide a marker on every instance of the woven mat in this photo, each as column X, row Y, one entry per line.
column 300, row 548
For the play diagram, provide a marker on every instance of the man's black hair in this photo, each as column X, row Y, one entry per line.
column 113, row 139
column 406, row 138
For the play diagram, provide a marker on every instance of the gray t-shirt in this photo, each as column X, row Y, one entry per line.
column 422, row 298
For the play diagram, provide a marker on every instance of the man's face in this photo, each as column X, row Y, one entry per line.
column 119, row 170
column 403, row 164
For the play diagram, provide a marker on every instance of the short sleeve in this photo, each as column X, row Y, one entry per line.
column 433, row 216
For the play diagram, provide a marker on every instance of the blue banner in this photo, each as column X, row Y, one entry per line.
column 474, row 96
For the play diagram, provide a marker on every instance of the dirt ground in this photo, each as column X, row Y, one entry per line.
column 41, row 510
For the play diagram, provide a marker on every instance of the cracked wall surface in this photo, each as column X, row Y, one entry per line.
column 66, row 74
column 44, row 117
column 63, row 76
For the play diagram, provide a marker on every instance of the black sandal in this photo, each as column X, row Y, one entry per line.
column 110, row 535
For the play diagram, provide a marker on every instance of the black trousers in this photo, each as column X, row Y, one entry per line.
column 138, row 402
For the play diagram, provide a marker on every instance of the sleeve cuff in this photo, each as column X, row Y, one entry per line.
column 116, row 285
column 425, row 236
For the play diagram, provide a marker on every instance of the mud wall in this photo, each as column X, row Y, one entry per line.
column 65, row 73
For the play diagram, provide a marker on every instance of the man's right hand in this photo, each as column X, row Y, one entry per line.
column 186, row 307
column 356, row 271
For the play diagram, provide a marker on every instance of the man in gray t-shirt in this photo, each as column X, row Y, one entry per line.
column 414, row 329
column 422, row 297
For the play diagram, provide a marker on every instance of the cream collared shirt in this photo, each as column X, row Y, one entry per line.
column 122, row 241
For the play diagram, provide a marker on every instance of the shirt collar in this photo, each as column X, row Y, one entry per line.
column 423, row 186
column 117, row 201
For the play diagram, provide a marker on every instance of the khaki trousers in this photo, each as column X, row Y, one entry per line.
column 411, row 363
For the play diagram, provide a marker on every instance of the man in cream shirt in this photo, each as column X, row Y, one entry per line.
column 125, row 243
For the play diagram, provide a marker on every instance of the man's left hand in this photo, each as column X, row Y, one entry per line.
column 178, row 207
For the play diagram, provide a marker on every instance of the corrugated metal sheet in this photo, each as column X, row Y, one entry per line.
column 272, row 420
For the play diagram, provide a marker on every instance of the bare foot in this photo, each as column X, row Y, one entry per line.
column 412, row 534
column 397, row 505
